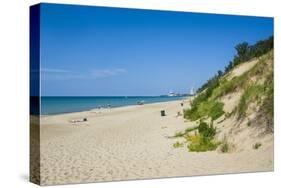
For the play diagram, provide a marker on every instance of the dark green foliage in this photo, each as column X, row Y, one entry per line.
column 244, row 52
column 228, row 67
column 204, row 141
column 216, row 110
column 257, row 145
column 206, row 131
column 191, row 129
column 220, row 73
column 243, row 55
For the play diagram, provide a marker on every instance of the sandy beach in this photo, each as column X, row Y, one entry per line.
column 132, row 142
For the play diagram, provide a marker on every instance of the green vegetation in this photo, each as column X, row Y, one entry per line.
column 178, row 145
column 251, row 94
column 206, row 103
column 268, row 101
column 205, row 130
column 186, row 131
column 255, row 86
column 198, row 143
column 257, row 145
column 204, row 141
column 244, row 52
column 179, row 134
column 259, row 92
column 212, row 109
column 228, row 86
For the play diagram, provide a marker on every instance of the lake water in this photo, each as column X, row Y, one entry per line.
column 57, row 105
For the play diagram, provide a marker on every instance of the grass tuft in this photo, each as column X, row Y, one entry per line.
column 251, row 94
column 178, row 145
column 204, row 141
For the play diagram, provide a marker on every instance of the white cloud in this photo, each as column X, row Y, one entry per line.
column 102, row 73
column 60, row 74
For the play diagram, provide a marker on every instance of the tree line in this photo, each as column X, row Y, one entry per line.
column 244, row 52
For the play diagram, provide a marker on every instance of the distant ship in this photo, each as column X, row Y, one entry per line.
column 173, row 94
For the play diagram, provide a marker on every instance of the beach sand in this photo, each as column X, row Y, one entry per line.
column 132, row 142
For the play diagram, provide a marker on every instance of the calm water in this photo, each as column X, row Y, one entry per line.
column 57, row 105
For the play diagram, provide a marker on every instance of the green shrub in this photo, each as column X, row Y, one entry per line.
column 204, row 141
column 202, row 144
column 205, row 130
column 257, row 145
column 178, row 145
column 216, row 110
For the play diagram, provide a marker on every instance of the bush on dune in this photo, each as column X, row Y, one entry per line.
column 204, row 141
column 199, row 143
column 212, row 109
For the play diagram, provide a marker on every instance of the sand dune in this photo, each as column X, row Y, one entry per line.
column 131, row 143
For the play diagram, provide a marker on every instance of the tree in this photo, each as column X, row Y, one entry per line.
column 228, row 67
column 242, row 48
column 244, row 52
column 220, row 73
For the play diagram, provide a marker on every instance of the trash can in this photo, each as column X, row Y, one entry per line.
column 163, row 113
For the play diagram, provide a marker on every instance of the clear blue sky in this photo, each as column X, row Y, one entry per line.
column 97, row 51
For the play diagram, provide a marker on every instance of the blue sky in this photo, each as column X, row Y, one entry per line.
column 98, row 51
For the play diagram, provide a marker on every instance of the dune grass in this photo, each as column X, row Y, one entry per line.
column 252, row 93
column 199, row 143
column 186, row 131
column 212, row 109
column 178, row 145
column 204, row 141
column 256, row 86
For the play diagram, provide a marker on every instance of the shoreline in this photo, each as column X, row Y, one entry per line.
column 115, row 107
